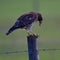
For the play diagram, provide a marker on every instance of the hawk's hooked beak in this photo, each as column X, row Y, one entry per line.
column 40, row 18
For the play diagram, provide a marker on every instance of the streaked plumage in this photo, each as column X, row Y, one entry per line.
column 26, row 21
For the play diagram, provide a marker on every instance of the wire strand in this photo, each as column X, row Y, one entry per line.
column 25, row 51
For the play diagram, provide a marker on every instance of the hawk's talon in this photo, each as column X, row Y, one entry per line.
column 33, row 34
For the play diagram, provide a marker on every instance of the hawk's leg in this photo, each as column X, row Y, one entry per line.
column 30, row 32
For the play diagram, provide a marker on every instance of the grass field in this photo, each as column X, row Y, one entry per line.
column 49, row 32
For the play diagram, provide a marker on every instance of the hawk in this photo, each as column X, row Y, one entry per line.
column 26, row 21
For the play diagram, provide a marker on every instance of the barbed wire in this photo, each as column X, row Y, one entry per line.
column 13, row 52
column 25, row 51
column 54, row 49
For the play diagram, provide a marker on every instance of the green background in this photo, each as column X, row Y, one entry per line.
column 49, row 32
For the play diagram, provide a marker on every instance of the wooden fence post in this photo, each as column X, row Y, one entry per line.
column 32, row 47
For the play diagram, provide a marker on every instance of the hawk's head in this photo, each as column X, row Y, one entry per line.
column 40, row 18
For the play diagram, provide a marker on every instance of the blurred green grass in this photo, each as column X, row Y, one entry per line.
column 49, row 32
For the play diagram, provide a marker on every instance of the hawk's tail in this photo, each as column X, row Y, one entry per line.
column 11, row 30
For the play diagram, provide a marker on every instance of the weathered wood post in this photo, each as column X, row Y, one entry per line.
column 32, row 47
